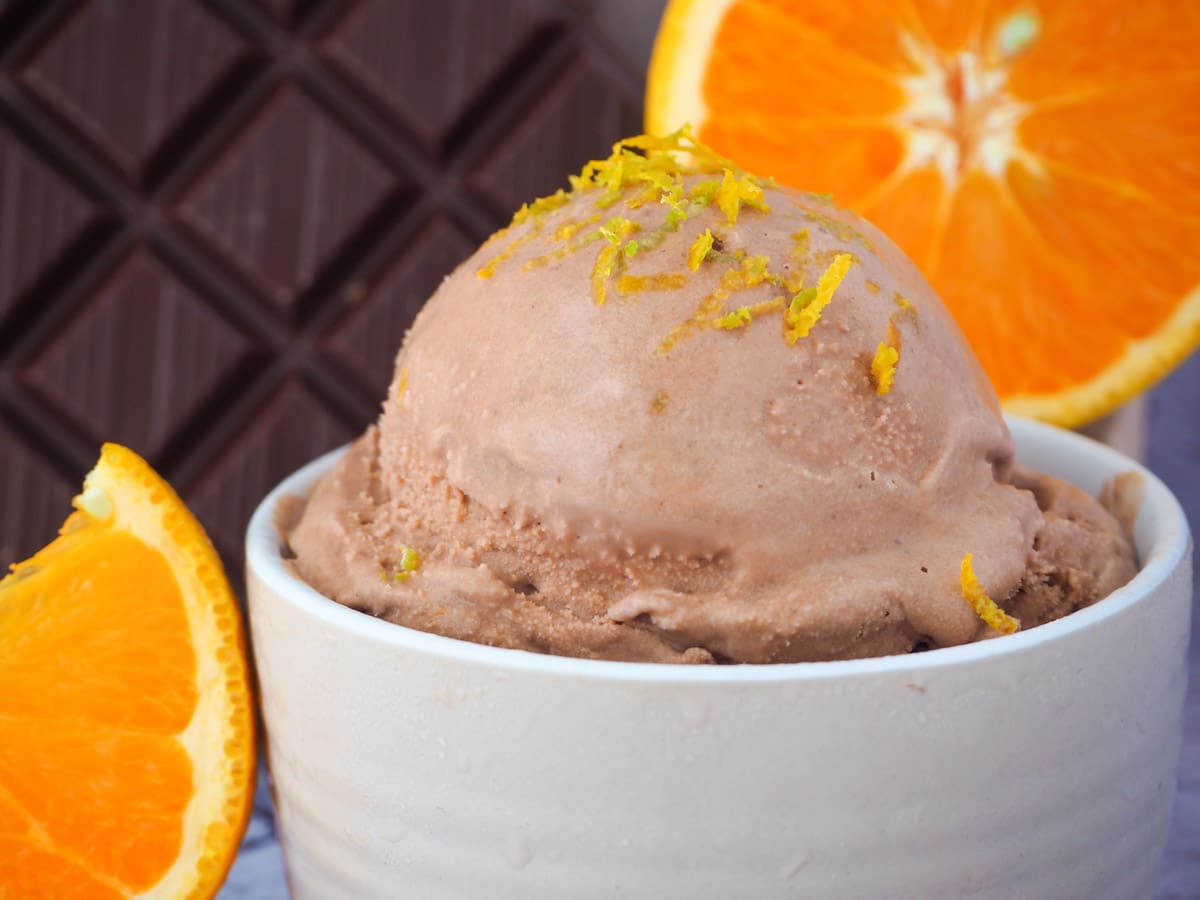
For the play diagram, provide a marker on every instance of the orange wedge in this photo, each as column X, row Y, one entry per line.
column 1036, row 158
column 126, row 729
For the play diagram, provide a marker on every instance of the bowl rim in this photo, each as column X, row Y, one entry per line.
column 265, row 561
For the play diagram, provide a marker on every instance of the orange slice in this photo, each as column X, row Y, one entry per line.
column 1036, row 158
column 126, row 729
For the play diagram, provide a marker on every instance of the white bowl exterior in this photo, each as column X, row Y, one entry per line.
column 1037, row 766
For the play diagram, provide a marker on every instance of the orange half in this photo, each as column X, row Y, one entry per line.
column 126, row 728
column 1036, row 158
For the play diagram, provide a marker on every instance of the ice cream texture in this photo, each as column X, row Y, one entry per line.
column 680, row 414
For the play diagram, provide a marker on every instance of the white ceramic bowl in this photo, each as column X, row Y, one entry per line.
column 1040, row 765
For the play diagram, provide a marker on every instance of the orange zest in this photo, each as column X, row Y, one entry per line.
column 409, row 563
column 883, row 367
column 661, row 281
column 736, row 190
column 126, row 724
column 401, row 387
column 614, row 233
column 887, row 358
column 1036, row 162
column 699, row 249
column 667, row 175
column 807, row 306
column 985, row 607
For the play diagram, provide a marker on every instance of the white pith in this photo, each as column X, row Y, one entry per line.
column 960, row 115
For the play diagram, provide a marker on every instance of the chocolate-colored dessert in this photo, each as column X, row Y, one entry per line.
column 680, row 414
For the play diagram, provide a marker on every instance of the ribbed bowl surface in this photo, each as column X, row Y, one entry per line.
column 1038, row 766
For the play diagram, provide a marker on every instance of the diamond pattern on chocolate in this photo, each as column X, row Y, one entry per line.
column 583, row 112
column 40, row 217
column 365, row 342
column 36, row 499
column 287, row 200
column 288, row 197
column 290, row 430
column 432, row 84
column 138, row 362
column 127, row 95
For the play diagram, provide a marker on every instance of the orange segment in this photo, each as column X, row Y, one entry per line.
column 79, row 639
column 948, row 25
column 779, row 36
column 31, row 872
column 829, row 29
column 989, row 253
column 1037, row 162
column 124, row 819
column 831, row 152
column 126, row 736
column 1085, row 46
column 901, row 204
column 1125, row 140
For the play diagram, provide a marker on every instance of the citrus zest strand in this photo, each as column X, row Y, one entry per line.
column 985, row 607
column 887, row 357
column 807, row 306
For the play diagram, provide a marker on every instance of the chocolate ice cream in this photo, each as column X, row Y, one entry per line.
column 680, row 414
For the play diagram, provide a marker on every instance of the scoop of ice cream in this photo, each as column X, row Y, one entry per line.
column 680, row 414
